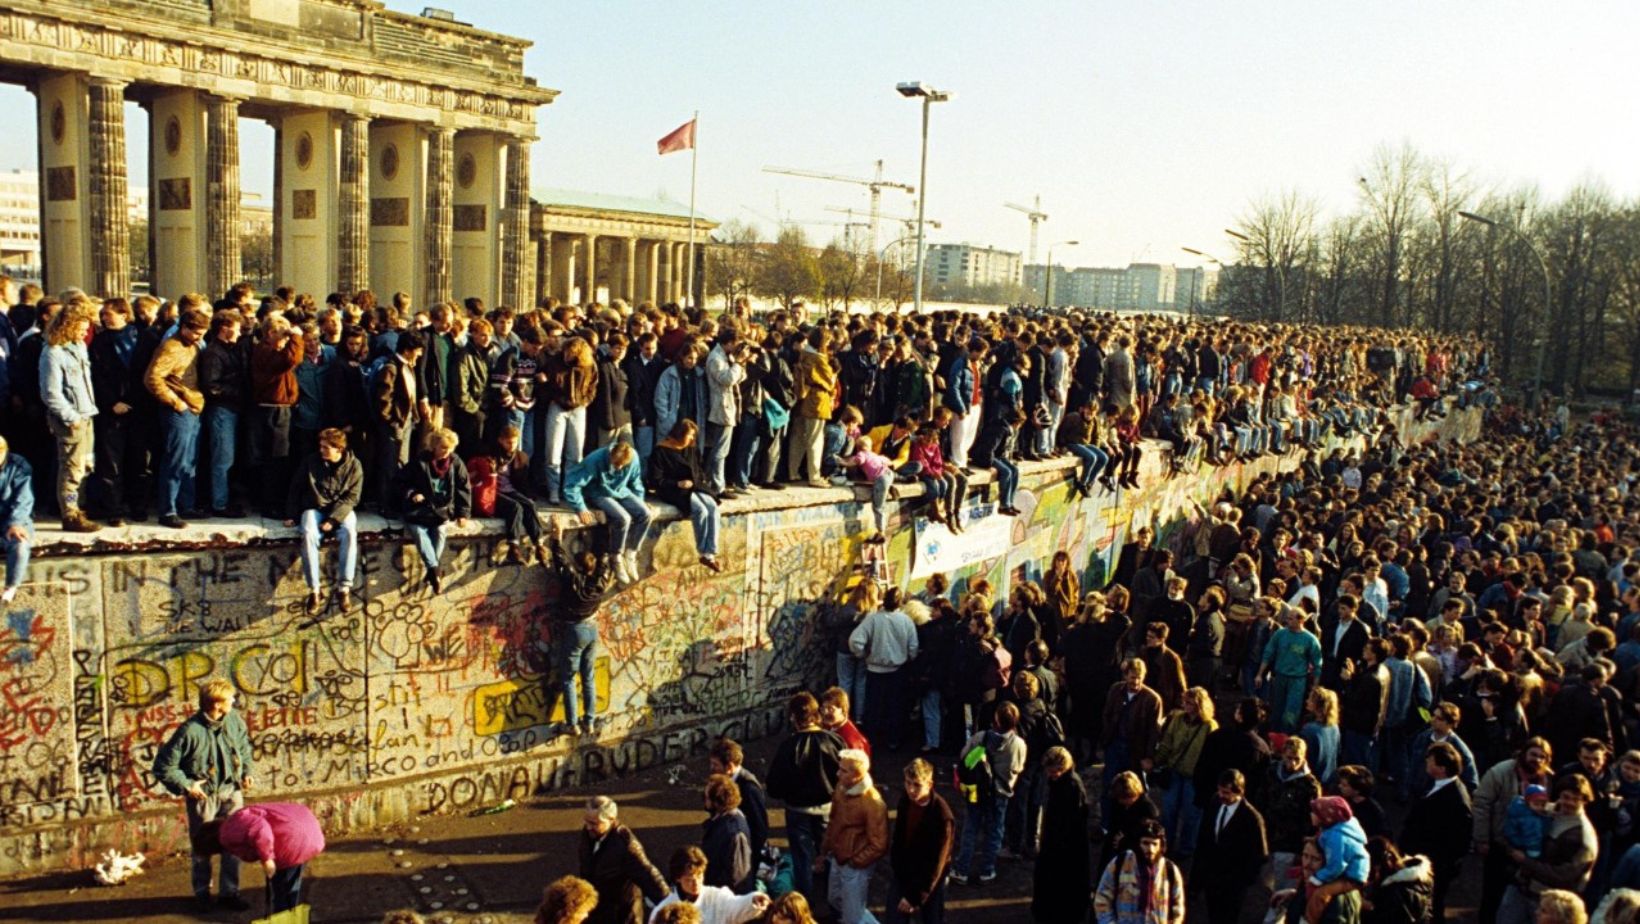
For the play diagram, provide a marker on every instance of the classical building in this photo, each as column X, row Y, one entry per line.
column 594, row 247
column 402, row 142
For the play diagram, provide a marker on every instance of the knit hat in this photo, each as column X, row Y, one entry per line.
column 1533, row 791
column 1331, row 810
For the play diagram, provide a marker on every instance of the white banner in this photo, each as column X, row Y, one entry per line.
column 986, row 536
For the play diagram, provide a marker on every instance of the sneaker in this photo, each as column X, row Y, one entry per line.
column 620, row 568
column 233, row 902
column 172, row 521
column 773, row 486
column 987, row 877
column 631, row 566
column 959, row 878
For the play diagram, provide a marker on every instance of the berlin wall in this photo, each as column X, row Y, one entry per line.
column 414, row 704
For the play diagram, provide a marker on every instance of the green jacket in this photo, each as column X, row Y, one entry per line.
column 197, row 752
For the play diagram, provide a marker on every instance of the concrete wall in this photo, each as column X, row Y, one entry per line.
column 415, row 704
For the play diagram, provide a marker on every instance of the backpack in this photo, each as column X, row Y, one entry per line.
column 973, row 771
column 997, row 671
column 1048, row 733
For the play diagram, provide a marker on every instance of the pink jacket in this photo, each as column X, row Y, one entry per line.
column 284, row 831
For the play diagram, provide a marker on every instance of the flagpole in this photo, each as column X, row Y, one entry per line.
column 694, row 162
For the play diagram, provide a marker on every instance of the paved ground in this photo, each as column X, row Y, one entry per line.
column 492, row 868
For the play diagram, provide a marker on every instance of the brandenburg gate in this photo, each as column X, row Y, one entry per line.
column 402, row 143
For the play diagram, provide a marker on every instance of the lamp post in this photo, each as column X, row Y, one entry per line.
column 883, row 255
column 912, row 90
column 1548, row 294
column 1195, row 274
column 1047, row 295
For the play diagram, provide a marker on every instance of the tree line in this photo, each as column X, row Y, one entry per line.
column 1408, row 255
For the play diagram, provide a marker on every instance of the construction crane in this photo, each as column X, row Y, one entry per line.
column 1037, row 216
column 910, row 223
column 876, row 186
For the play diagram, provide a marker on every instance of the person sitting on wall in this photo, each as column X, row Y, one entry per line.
column 208, row 759
column 16, row 517
column 435, row 491
column 326, row 489
column 610, row 480
column 282, row 836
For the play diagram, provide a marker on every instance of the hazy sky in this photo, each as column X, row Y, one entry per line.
column 1143, row 125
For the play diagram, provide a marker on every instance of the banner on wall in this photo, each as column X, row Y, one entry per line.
column 986, row 536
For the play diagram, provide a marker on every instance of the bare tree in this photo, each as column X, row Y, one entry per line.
column 1275, row 235
column 1389, row 191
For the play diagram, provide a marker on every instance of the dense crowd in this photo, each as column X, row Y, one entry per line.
column 303, row 412
column 1448, row 635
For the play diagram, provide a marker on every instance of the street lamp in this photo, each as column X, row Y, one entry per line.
column 912, row 90
column 1548, row 293
column 1195, row 274
column 1269, row 271
column 1047, row 295
column 883, row 255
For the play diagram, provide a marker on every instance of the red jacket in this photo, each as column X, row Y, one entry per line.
column 284, row 832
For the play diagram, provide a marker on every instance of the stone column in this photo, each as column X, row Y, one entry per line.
column 221, row 194
column 515, row 226
column 440, row 188
column 353, row 244
column 279, row 201
column 651, row 271
column 543, row 266
column 629, row 270
column 589, row 268
column 110, row 241
column 680, row 274
column 663, row 271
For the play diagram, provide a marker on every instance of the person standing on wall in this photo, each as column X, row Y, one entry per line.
column 323, row 496
column 173, row 379
column 208, row 760
column 582, row 586
column 16, row 518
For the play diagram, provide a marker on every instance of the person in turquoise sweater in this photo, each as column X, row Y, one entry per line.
column 611, row 481
column 1292, row 660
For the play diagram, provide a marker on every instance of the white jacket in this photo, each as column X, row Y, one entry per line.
column 717, row 905
column 723, row 378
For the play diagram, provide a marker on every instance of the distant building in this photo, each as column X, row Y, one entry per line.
column 20, row 220
column 967, row 265
column 1137, row 287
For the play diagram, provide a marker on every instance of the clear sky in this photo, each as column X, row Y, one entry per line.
column 1144, row 125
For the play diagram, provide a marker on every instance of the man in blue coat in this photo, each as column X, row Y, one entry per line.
column 16, row 517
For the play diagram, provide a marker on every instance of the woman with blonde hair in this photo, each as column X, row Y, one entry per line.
column 1321, row 734
column 791, row 908
column 70, row 403
column 435, row 490
column 1177, row 752
column 568, row 900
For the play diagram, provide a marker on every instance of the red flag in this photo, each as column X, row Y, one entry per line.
column 682, row 138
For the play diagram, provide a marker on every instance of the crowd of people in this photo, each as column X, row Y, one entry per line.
column 303, row 412
column 1429, row 657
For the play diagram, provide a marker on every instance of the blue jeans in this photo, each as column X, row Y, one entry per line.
column 879, row 500
column 714, row 453
column 215, row 805
column 643, row 440
column 981, row 836
column 347, row 548
column 1093, row 459
column 704, row 517
column 1180, row 815
column 627, row 518
column 846, row 890
column 176, row 467
column 17, row 555
column 565, row 433
column 430, row 543
column 851, row 676
column 577, row 648
column 932, row 719
column 803, row 835
column 743, row 450
column 222, row 423
column 286, row 886
column 1007, row 480
column 1024, row 819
